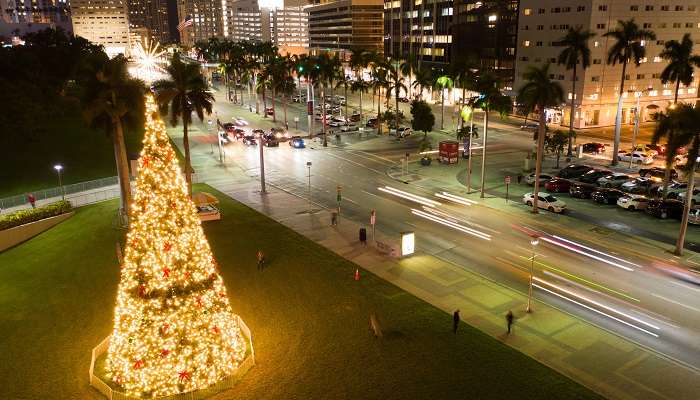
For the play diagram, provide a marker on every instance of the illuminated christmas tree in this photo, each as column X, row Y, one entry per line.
column 174, row 330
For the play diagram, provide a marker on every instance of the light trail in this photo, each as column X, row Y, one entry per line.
column 570, row 293
column 409, row 196
column 597, row 251
column 456, row 199
column 448, row 223
column 575, row 250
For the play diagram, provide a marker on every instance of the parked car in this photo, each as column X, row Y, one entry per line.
column 249, row 140
column 633, row 202
column 665, row 208
column 372, row 123
column 613, row 180
column 530, row 179
column 339, row 100
column 280, row 134
column 573, row 171
column 238, row 133
column 581, row 190
column 319, row 117
column 270, row 140
column 606, row 196
column 238, row 121
column 258, row 132
column 694, row 200
column 529, row 127
column 593, row 176
column 355, row 117
column 658, row 148
column 637, row 183
column 594, row 148
column 545, row 201
column 298, row 98
column 297, row 142
column 349, row 127
column 657, row 173
column 400, row 132
column 404, row 99
column 637, row 157
column 674, row 188
column 694, row 216
column 557, row 185
column 338, row 121
column 643, row 148
column 228, row 127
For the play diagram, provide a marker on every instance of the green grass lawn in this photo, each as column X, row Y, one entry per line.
column 308, row 316
column 27, row 161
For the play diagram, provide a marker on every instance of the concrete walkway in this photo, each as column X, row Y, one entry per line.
column 605, row 362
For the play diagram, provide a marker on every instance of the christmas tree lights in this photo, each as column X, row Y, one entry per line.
column 174, row 330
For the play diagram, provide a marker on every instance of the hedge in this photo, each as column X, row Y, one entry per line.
column 22, row 217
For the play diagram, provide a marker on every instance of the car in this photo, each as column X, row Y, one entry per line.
column 657, row 173
column 573, row 171
column 298, row 98
column 297, row 142
column 557, row 185
column 372, row 123
column 613, row 180
column 280, row 134
column 355, row 117
column 643, row 148
column 404, row 99
column 238, row 133
column 400, row 132
column 249, row 140
column 258, row 132
column 694, row 216
column 663, row 209
column 530, row 179
column 673, row 189
column 270, row 111
column 658, row 148
column 270, row 140
column 339, row 100
column 338, row 121
column 529, row 127
column 223, row 137
column 594, row 148
column 593, row 176
column 633, row 202
column 694, row 200
column 581, row 190
column 642, row 183
column 637, row 157
column 240, row 121
column 545, row 201
column 606, row 195
column 349, row 127
column 319, row 117
column 228, row 127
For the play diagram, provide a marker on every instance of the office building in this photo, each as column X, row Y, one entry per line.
column 19, row 17
column 346, row 25
column 543, row 22
column 102, row 22
column 290, row 30
column 151, row 15
column 419, row 28
column 246, row 21
column 207, row 20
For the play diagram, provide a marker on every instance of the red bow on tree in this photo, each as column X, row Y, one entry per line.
column 138, row 364
column 184, row 376
column 164, row 352
column 166, row 272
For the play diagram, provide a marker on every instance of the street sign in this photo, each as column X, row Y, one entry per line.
column 340, row 189
column 508, row 180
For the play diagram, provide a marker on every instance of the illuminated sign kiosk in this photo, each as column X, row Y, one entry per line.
column 408, row 243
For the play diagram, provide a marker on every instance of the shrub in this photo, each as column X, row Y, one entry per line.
column 22, row 217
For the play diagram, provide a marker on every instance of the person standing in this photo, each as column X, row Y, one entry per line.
column 455, row 321
column 31, row 199
column 509, row 320
column 261, row 260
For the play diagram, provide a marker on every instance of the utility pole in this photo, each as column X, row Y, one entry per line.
column 308, row 166
column 261, row 140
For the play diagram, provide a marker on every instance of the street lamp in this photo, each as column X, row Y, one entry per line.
column 58, row 168
column 261, row 140
column 534, row 242
column 467, row 113
column 308, row 166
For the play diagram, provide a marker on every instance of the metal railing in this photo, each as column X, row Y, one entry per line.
column 21, row 199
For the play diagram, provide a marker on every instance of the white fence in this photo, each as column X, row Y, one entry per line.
column 222, row 385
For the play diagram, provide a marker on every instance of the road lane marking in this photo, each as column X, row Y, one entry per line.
column 684, row 286
column 355, row 163
column 677, row 303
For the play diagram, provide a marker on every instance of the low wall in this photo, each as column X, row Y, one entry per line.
column 14, row 236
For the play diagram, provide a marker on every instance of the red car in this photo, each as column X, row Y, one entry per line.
column 557, row 185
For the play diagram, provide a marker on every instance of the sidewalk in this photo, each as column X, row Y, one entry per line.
column 594, row 357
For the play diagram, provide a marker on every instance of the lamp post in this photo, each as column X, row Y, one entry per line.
column 261, row 140
column 308, row 166
column 468, row 113
column 58, row 168
column 534, row 242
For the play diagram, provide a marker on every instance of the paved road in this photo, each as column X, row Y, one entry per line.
column 616, row 283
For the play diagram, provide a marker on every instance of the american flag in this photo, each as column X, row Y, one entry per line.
column 185, row 23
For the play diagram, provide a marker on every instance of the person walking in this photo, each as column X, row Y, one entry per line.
column 509, row 320
column 455, row 321
column 261, row 260
column 31, row 199
column 334, row 218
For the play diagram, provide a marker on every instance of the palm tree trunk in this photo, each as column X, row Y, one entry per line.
column 618, row 116
column 264, row 102
column 379, row 113
column 442, row 108
column 397, row 109
column 323, row 115
column 274, row 114
column 346, row 99
column 667, row 178
column 571, row 117
column 680, row 243
column 188, row 167
column 257, row 102
column 361, row 89
column 538, row 161
column 284, row 105
column 675, row 96
column 122, row 163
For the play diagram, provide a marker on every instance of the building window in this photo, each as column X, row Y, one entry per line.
column 676, row 24
column 596, row 44
column 691, row 8
column 560, row 77
column 656, row 75
column 581, row 8
column 662, row 25
column 527, row 11
column 566, row 9
column 664, row 8
column 595, row 79
column 660, row 42
column 523, row 58
column 526, row 43
column 688, row 24
column 526, row 28
column 556, row 10
column 447, row 11
column 540, row 27
column 648, row 8
column 552, row 60
column 646, row 25
column 600, row 26
column 640, row 76
column 538, row 44
column 541, row 11
column 602, row 8
column 679, row 8
column 627, row 77
column 657, row 59
column 597, row 61
column 634, row 8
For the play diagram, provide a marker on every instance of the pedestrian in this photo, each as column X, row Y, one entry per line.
column 375, row 326
column 31, row 199
column 509, row 320
column 286, row 126
column 334, row 218
column 455, row 321
column 261, row 260
column 520, row 178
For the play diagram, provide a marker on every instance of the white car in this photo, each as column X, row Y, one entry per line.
column 298, row 99
column 613, row 180
column 530, row 179
column 694, row 216
column 339, row 100
column 240, row 121
column 545, row 201
column 349, row 127
column 633, row 202
column 637, row 157
column 696, row 196
column 319, row 117
column 401, row 132
column 635, row 183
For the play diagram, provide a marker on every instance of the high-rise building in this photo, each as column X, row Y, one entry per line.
column 18, row 17
column 102, row 22
column 419, row 28
column 347, row 25
column 246, row 21
column 542, row 23
column 207, row 20
column 151, row 15
column 290, row 30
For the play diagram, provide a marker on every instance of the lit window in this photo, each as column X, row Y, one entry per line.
column 527, row 11
column 666, row 92
column 526, row 43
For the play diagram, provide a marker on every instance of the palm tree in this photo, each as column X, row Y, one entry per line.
column 443, row 82
column 112, row 99
column 408, row 68
column 681, row 63
column 325, row 67
column 184, row 92
column 263, row 81
column 396, row 82
column 285, row 87
column 464, row 72
column 575, row 51
column 361, row 86
column 681, row 123
column 379, row 82
column 346, row 83
column 665, row 130
column 542, row 92
column 358, row 62
column 628, row 47
column 424, row 80
column 490, row 99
